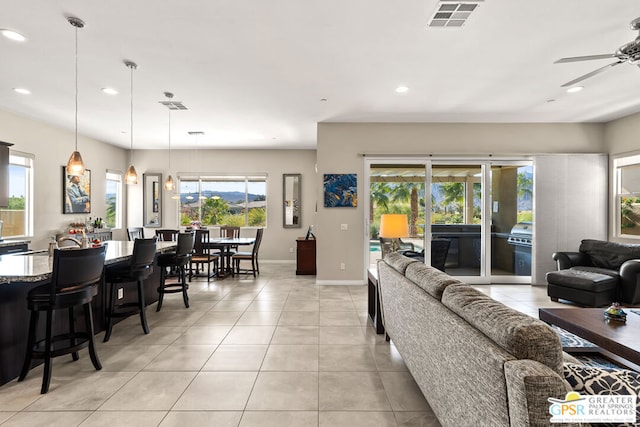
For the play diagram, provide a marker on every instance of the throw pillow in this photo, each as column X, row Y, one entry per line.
column 589, row 380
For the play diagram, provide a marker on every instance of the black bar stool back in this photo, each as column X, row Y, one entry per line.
column 176, row 261
column 74, row 281
column 140, row 266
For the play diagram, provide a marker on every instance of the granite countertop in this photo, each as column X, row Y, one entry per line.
column 37, row 266
column 11, row 242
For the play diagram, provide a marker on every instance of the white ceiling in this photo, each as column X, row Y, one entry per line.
column 253, row 72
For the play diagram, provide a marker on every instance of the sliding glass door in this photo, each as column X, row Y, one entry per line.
column 484, row 209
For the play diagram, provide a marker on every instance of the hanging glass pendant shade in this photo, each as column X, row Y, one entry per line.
column 169, row 184
column 131, row 177
column 75, row 165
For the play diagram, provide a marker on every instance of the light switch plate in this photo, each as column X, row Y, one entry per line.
column 344, row 227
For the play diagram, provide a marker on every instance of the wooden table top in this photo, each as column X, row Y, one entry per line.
column 620, row 338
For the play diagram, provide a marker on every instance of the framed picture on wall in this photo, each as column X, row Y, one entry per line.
column 76, row 192
column 340, row 190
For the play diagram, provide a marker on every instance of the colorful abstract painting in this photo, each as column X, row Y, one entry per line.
column 340, row 190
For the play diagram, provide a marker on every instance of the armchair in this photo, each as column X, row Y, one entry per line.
column 598, row 274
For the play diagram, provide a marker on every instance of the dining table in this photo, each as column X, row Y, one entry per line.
column 224, row 245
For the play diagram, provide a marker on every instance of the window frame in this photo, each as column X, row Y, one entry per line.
column 26, row 161
column 246, row 179
column 117, row 177
column 618, row 164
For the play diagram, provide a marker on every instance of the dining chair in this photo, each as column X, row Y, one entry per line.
column 134, row 233
column 139, row 267
column 75, row 278
column 167, row 235
column 248, row 256
column 202, row 255
column 176, row 261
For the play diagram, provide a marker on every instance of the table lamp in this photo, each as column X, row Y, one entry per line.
column 394, row 226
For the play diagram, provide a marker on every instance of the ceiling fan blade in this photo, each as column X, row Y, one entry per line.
column 585, row 58
column 591, row 74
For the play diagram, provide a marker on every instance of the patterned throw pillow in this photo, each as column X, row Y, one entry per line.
column 599, row 381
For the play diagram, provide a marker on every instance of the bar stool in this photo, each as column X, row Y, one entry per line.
column 140, row 266
column 74, row 281
column 176, row 261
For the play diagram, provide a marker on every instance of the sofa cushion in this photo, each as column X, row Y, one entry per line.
column 588, row 380
column 582, row 280
column 430, row 279
column 609, row 254
column 398, row 261
column 599, row 270
column 521, row 335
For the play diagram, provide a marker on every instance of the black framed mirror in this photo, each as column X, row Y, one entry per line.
column 152, row 199
column 292, row 206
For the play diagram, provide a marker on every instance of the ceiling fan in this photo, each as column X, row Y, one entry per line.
column 628, row 52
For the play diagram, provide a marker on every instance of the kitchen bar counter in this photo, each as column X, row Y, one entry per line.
column 23, row 272
column 36, row 266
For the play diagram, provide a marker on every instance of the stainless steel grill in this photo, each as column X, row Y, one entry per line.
column 521, row 237
column 521, row 234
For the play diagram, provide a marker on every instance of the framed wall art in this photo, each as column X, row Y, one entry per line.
column 76, row 192
column 340, row 190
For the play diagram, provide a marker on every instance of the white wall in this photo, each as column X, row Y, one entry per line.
column 52, row 147
column 339, row 151
column 277, row 241
column 621, row 135
column 570, row 205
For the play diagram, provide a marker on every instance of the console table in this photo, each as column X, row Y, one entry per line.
column 305, row 256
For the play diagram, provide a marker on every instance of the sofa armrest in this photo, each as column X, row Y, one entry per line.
column 529, row 385
column 566, row 260
column 630, row 282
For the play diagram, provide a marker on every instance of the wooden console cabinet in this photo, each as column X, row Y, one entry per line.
column 306, row 256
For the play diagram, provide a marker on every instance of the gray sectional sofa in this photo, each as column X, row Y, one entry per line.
column 477, row 362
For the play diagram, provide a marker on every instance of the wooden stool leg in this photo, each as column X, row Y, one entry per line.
column 46, row 376
column 31, row 341
column 110, row 309
column 143, row 316
column 72, row 330
column 88, row 315
column 183, row 279
column 163, row 278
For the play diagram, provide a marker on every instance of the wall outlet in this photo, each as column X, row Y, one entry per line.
column 120, row 293
column 342, row 266
column 290, row 250
column 344, row 227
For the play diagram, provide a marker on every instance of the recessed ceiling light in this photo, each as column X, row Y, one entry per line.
column 402, row 89
column 22, row 91
column 109, row 91
column 12, row 35
column 575, row 89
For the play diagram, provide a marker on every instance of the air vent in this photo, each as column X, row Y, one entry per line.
column 453, row 13
column 174, row 105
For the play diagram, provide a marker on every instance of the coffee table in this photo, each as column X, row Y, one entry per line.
column 618, row 338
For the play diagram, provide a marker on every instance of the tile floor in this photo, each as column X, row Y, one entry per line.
column 273, row 351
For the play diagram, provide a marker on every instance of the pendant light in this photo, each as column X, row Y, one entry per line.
column 75, row 165
column 169, row 184
column 131, row 177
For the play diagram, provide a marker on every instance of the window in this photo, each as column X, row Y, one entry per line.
column 224, row 200
column 18, row 216
column 113, row 200
column 627, row 190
